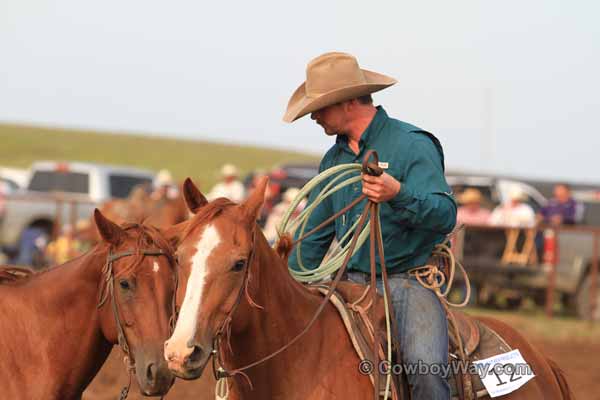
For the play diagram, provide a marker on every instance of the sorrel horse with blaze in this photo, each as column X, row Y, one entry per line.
column 57, row 327
column 230, row 273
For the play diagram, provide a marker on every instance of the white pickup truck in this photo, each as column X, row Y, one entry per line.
column 61, row 191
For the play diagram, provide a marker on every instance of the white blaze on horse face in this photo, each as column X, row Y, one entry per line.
column 155, row 267
column 185, row 329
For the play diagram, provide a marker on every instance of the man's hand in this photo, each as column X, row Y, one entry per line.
column 380, row 188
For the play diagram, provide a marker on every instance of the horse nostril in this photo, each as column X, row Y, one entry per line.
column 151, row 372
column 195, row 356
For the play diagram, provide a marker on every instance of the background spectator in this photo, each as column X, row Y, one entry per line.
column 63, row 248
column 514, row 213
column 164, row 186
column 470, row 212
column 279, row 210
column 229, row 187
column 562, row 209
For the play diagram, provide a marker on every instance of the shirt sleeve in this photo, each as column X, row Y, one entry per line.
column 314, row 247
column 425, row 201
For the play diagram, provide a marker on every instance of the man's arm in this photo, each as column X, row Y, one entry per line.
column 314, row 247
column 423, row 200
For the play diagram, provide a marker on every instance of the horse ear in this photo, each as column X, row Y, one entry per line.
column 109, row 231
column 193, row 198
column 254, row 202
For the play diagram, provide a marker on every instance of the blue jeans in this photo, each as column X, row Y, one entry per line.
column 423, row 331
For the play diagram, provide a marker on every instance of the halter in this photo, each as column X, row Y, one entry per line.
column 109, row 277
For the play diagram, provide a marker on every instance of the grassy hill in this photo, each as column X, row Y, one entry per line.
column 22, row 145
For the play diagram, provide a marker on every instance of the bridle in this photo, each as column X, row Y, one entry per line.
column 109, row 277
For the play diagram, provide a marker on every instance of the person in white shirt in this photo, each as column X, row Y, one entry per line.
column 276, row 215
column 164, row 186
column 514, row 213
column 229, row 187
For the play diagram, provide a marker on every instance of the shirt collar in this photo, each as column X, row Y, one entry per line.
column 369, row 134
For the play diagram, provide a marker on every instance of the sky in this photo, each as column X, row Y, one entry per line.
column 509, row 87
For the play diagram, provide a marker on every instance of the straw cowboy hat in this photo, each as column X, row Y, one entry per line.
column 469, row 196
column 229, row 170
column 330, row 79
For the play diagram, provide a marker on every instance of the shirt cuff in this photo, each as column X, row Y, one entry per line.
column 404, row 197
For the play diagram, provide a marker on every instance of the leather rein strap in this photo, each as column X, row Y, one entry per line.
column 109, row 278
column 371, row 211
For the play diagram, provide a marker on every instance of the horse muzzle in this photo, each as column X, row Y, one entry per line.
column 153, row 375
column 186, row 362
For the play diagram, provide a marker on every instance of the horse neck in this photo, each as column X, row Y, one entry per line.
column 66, row 299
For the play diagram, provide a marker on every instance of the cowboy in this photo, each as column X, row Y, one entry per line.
column 229, row 187
column 416, row 205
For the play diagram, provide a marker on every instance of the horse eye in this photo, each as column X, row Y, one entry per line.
column 124, row 284
column 239, row 265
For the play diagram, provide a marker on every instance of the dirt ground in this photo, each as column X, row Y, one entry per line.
column 578, row 358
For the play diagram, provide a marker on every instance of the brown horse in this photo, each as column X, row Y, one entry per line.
column 57, row 327
column 140, row 206
column 230, row 274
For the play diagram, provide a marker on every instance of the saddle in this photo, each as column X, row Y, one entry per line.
column 476, row 339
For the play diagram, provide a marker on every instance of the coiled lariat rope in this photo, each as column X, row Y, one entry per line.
column 429, row 276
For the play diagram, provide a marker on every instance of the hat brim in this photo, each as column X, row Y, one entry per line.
column 300, row 104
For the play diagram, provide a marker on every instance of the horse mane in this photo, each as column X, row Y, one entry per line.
column 284, row 246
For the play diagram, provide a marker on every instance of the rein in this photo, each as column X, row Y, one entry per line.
column 370, row 212
column 109, row 278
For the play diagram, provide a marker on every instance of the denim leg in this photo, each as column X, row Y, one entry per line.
column 423, row 331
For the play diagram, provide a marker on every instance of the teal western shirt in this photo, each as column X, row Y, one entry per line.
column 413, row 222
